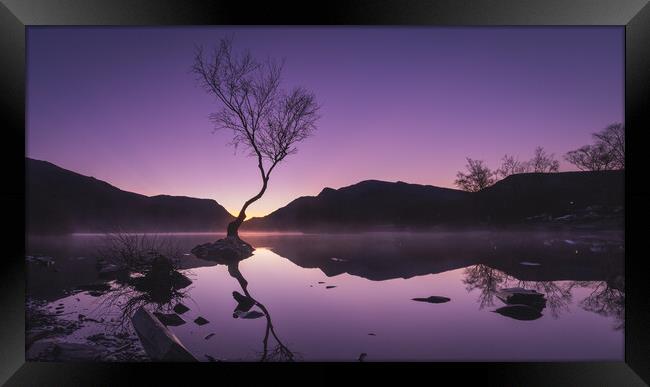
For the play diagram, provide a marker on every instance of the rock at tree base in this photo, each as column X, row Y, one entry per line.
column 158, row 341
column 226, row 250
column 433, row 299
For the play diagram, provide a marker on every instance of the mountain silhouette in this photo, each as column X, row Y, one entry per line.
column 62, row 201
column 368, row 203
column 594, row 198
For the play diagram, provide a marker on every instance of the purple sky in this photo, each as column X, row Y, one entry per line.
column 401, row 103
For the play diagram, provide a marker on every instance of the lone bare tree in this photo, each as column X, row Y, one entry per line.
column 478, row 176
column 607, row 152
column 511, row 166
column 543, row 162
column 267, row 121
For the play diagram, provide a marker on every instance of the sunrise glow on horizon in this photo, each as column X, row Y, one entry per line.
column 397, row 104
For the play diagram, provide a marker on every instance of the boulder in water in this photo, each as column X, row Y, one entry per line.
column 433, row 299
column 226, row 250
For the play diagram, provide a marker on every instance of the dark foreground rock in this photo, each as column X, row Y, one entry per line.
column 226, row 250
column 158, row 341
column 50, row 338
column 433, row 299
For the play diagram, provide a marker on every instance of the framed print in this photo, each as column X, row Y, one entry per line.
column 381, row 187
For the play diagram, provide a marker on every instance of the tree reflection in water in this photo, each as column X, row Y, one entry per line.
column 127, row 298
column 606, row 297
column 279, row 352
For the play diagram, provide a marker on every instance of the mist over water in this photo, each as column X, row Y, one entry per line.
column 335, row 296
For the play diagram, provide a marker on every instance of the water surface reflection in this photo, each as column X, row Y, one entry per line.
column 333, row 297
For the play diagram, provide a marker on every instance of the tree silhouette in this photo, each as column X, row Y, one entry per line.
column 478, row 176
column 267, row 121
column 606, row 153
column 511, row 166
column 543, row 162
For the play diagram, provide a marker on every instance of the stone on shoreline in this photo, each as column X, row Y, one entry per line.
column 158, row 341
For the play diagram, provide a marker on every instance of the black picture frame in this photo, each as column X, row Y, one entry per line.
column 15, row 15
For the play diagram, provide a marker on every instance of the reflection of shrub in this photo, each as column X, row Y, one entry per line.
column 146, row 267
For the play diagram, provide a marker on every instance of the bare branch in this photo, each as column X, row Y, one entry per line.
column 264, row 120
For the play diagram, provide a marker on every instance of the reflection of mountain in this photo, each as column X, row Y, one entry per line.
column 381, row 256
column 574, row 197
column 60, row 201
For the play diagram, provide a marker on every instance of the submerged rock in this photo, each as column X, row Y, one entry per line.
column 180, row 308
column 171, row 319
column 201, row 321
column 433, row 299
column 226, row 250
column 247, row 315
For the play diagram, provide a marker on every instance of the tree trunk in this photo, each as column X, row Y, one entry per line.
column 233, row 227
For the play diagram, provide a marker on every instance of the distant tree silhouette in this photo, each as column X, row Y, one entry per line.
column 478, row 176
column 543, row 162
column 606, row 153
column 267, row 121
column 590, row 158
column 511, row 166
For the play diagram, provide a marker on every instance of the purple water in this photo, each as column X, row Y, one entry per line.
column 375, row 278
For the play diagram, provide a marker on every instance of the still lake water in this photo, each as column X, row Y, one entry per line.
column 370, row 308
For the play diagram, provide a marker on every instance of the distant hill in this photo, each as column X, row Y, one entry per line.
column 370, row 203
column 568, row 195
column 62, row 201
column 560, row 198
